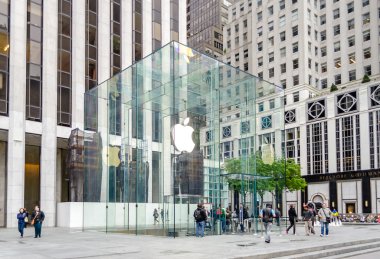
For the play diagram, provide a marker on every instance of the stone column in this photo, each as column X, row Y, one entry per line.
column 17, row 92
column 49, row 112
column 3, row 149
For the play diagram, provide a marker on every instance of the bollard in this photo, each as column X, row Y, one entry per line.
column 218, row 227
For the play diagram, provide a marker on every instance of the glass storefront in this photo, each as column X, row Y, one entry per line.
column 161, row 140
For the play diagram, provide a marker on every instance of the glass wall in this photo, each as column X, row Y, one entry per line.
column 170, row 152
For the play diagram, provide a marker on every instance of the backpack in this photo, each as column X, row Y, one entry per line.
column 267, row 215
column 198, row 215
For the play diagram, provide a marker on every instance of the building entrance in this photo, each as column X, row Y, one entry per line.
column 32, row 177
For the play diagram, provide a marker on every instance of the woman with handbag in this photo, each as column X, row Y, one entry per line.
column 21, row 221
column 324, row 215
column 38, row 217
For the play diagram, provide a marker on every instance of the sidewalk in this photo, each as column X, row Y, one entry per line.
column 65, row 243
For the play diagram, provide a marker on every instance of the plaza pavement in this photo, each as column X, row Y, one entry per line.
column 66, row 243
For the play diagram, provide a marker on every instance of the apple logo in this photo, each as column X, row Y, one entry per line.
column 182, row 136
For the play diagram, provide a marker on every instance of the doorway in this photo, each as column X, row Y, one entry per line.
column 32, row 177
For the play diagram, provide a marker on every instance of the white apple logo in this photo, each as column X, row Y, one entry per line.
column 182, row 136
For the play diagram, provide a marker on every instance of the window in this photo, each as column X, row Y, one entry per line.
column 367, row 70
column 271, row 104
column 271, row 72
column 316, row 51
column 296, row 97
column 234, row 11
column 282, row 4
column 244, row 127
column 229, row 31
column 260, row 75
column 259, row 46
column 227, row 132
column 323, row 19
column 351, row 24
column 323, row 51
column 366, row 35
column 324, row 83
column 237, row 57
column 351, row 58
column 365, row 2
column 337, row 46
column 260, row 61
column 245, row 23
column 294, row 1
column 352, row 75
column 282, row 36
column 336, row 30
column 350, row 7
column 337, row 79
column 351, row 41
column 236, row 27
column 367, row 53
column 259, row 3
column 283, row 84
column 271, row 57
column 261, row 107
column 266, row 122
column 242, row 7
column 315, row 35
column 283, row 68
column 309, row 64
column 246, row 67
column 366, row 18
column 324, row 67
column 316, row 66
column 295, row 31
column 237, row 41
column 295, row 15
column 322, row 4
column 309, row 30
column 260, row 31
column 295, row 47
column 259, row 16
column 309, row 47
column 295, row 63
column 271, row 41
column 337, row 63
column 246, row 53
column 245, row 36
column 270, row 26
column 270, row 10
column 336, row 14
column 295, row 80
column 323, row 35
column 283, row 52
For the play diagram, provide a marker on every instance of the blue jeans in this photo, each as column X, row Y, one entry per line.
column 200, row 229
column 223, row 221
column 324, row 225
column 21, row 227
column 37, row 229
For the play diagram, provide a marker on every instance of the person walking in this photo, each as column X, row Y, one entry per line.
column 156, row 216
column 21, row 221
column 200, row 218
column 292, row 214
column 267, row 215
column 38, row 217
column 241, row 218
column 308, row 216
column 324, row 215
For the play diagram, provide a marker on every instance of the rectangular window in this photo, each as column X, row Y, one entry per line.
column 282, row 36
column 261, row 107
column 259, row 16
column 270, row 26
column 283, row 68
column 324, row 67
column 271, row 57
column 365, row 2
column 337, row 79
column 270, row 10
column 295, row 80
column 351, row 41
column 246, row 53
column 323, row 51
column 324, row 83
column 260, row 61
column 295, row 63
column 351, row 58
column 336, row 13
column 283, row 84
column 295, row 31
column 236, row 27
column 4, row 56
column 367, row 53
column 259, row 46
column 271, row 72
column 282, row 21
column 271, row 41
column 366, row 18
column 352, row 75
column 245, row 23
column 295, row 47
column 337, row 46
column 366, row 35
column 336, row 30
column 337, row 63
column 237, row 57
column 260, row 31
column 322, row 19
column 368, row 70
column 295, row 15
column 350, row 7
column 323, row 35
column 283, row 52
column 282, row 4
column 351, row 24
column 296, row 97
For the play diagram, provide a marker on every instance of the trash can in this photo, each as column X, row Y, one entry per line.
column 218, row 227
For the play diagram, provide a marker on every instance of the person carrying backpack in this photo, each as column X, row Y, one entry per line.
column 267, row 216
column 200, row 218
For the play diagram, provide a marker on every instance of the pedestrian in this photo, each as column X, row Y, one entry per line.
column 38, row 217
column 308, row 215
column 200, row 218
column 21, row 221
column 162, row 215
column 292, row 214
column 241, row 218
column 278, row 216
column 223, row 218
column 267, row 216
column 324, row 215
column 156, row 216
column 228, row 219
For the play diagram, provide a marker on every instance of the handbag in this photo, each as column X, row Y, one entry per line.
column 26, row 220
column 328, row 219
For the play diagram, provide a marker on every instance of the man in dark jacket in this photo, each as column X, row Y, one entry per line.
column 200, row 218
column 292, row 217
column 38, row 217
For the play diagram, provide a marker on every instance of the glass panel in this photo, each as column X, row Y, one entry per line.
column 154, row 148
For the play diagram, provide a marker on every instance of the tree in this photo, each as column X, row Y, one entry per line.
column 283, row 174
column 333, row 88
column 366, row 79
